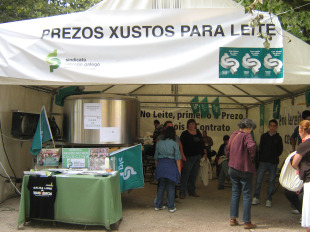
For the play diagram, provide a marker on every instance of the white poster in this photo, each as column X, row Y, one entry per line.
column 92, row 116
column 109, row 134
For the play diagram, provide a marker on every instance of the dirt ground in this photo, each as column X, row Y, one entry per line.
column 209, row 212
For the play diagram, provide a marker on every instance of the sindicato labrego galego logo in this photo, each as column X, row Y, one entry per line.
column 53, row 60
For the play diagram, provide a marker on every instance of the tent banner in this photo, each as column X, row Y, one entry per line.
column 185, row 46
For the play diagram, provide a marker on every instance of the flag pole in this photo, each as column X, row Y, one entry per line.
column 49, row 128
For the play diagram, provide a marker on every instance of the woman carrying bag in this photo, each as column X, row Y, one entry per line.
column 301, row 162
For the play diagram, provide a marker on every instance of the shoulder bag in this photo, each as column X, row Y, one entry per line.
column 288, row 177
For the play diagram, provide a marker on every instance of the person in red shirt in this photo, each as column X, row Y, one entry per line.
column 241, row 151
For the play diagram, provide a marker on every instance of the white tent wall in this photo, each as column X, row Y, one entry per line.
column 17, row 98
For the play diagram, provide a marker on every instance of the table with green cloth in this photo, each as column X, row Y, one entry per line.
column 81, row 199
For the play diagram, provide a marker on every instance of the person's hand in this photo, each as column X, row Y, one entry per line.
column 184, row 158
column 298, row 192
column 297, row 172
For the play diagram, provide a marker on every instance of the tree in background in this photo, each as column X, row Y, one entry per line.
column 15, row 10
column 293, row 14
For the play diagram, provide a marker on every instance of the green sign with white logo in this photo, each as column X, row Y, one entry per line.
column 75, row 157
column 251, row 63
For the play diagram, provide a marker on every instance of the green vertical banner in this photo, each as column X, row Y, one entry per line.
column 204, row 108
column 276, row 109
column 216, row 110
column 194, row 105
column 128, row 161
column 261, row 114
column 307, row 96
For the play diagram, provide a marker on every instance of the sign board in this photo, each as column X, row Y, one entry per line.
column 48, row 157
column 75, row 157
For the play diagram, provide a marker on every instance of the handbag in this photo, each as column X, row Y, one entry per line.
column 288, row 177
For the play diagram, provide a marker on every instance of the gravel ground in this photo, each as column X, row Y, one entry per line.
column 209, row 212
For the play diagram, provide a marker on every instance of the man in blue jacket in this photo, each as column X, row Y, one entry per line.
column 270, row 148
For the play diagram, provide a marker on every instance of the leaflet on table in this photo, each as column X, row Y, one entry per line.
column 66, row 172
column 48, row 157
column 91, row 158
column 39, row 173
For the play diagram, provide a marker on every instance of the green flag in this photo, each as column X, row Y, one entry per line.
column 204, row 108
column 194, row 105
column 216, row 110
column 261, row 114
column 128, row 161
column 276, row 108
column 43, row 133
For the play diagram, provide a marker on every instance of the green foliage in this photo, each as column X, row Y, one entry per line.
column 293, row 19
column 14, row 10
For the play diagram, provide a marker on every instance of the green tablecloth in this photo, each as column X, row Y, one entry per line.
column 81, row 199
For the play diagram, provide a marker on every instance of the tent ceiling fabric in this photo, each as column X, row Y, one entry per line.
column 179, row 96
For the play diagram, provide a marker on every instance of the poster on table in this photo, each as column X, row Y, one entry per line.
column 91, row 158
column 48, row 157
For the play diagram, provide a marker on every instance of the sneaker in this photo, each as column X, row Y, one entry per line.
column 255, row 201
column 249, row 225
column 268, row 203
column 161, row 208
column 172, row 210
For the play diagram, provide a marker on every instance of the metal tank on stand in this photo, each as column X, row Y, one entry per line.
column 101, row 119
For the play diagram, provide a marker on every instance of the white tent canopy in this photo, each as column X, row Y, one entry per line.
column 170, row 75
column 25, row 68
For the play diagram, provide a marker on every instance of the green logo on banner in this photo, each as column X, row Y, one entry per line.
column 204, row 108
column 53, row 60
column 276, row 109
column 261, row 114
column 194, row 105
column 216, row 110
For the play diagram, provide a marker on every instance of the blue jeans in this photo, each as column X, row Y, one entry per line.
column 168, row 185
column 189, row 174
column 262, row 168
column 241, row 181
